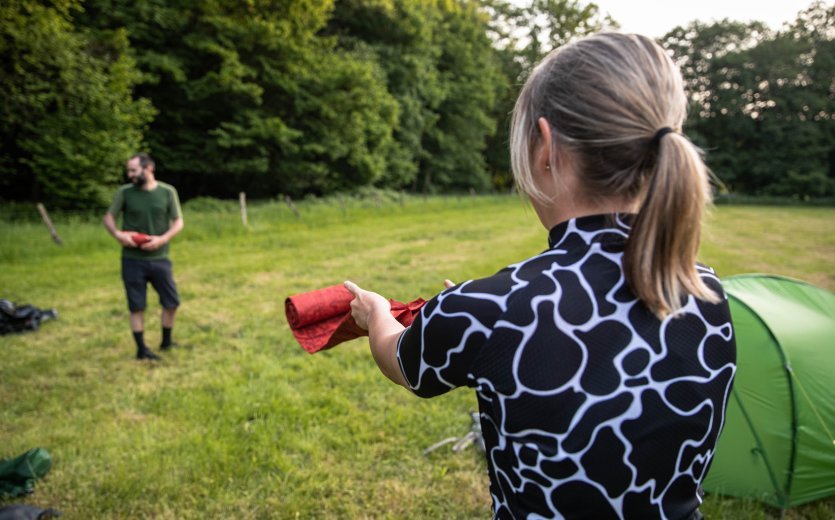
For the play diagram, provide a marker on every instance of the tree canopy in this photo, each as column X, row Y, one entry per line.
column 763, row 101
column 318, row 96
column 68, row 118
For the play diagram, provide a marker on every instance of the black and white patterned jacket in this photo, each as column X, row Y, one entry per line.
column 591, row 407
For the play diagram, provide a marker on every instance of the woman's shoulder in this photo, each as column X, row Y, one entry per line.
column 711, row 279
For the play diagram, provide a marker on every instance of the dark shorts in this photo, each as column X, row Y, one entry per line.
column 137, row 273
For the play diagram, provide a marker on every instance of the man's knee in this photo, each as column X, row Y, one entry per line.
column 169, row 300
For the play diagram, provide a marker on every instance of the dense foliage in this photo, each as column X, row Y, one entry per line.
column 316, row 96
column 67, row 115
column 764, row 102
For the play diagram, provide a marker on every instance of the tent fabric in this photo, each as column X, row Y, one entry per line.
column 18, row 475
column 778, row 442
column 321, row 319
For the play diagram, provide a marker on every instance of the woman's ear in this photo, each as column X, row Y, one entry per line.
column 543, row 154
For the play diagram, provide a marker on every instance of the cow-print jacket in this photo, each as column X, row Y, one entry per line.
column 591, row 407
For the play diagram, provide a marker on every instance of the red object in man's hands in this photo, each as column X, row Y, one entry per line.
column 322, row 319
column 139, row 238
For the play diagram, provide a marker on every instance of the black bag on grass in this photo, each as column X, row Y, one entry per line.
column 26, row 512
column 14, row 318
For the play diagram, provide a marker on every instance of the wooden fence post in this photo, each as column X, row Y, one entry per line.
column 48, row 222
column 292, row 206
column 242, row 200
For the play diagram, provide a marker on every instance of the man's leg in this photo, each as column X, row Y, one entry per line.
column 137, row 321
column 167, row 326
column 162, row 280
column 135, row 288
column 137, row 326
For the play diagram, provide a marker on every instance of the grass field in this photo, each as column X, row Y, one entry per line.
column 239, row 422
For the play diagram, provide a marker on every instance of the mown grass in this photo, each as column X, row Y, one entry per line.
column 239, row 422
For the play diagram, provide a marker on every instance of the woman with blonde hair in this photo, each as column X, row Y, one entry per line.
column 603, row 365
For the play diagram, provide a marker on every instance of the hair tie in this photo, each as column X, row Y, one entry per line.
column 656, row 139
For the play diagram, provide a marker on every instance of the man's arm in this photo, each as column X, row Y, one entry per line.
column 156, row 242
column 175, row 215
column 120, row 236
column 176, row 226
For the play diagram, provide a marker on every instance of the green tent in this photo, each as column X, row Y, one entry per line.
column 778, row 444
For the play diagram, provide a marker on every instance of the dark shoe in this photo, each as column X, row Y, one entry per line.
column 168, row 347
column 146, row 354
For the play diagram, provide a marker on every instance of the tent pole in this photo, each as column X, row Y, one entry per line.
column 760, row 450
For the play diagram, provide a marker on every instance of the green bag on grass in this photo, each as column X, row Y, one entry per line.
column 18, row 475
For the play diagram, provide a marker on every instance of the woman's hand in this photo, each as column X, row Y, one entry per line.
column 366, row 305
column 372, row 312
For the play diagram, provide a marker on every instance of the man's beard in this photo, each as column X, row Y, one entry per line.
column 139, row 180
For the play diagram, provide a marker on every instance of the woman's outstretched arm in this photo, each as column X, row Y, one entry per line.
column 372, row 312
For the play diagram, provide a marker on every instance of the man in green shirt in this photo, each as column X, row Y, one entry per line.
column 151, row 216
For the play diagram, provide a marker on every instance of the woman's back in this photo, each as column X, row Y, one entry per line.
column 591, row 406
column 603, row 365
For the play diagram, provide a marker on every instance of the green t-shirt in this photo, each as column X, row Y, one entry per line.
column 149, row 212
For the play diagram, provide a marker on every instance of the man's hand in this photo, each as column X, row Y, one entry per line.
column 154, row 242
column 123, row 237
column 126, row 239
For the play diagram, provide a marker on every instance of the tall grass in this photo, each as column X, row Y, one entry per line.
column 239, row 422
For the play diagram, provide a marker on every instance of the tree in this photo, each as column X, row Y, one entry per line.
column 763, row 101
column 440, row 67
column 400, row 34
column 522, row 36
column 251, row 97
column 470, row 80
column 711, row 58
column 67, row 121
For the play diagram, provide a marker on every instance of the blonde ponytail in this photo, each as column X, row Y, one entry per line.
column 660, row 257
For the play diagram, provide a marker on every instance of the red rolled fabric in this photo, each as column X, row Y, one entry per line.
column 321, row 319
column 139, row 238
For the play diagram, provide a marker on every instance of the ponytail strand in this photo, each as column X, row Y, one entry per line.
column 660, row 256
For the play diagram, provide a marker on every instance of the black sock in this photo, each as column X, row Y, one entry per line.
column 166, row 337
column 138, row 337
column 142, row 351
